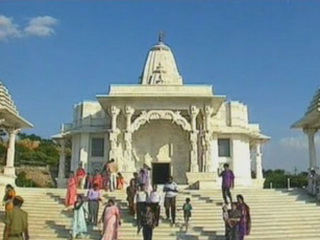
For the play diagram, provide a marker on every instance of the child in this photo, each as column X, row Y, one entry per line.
column 187, row 212
column 120, row 181
column 79, row 225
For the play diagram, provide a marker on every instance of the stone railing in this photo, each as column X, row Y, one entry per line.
column 86, row 122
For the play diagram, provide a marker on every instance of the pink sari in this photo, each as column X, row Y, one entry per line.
column 111, row 223
column 71, row 192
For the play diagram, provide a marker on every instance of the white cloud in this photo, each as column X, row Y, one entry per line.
column 8, row 29
column 289, row 153
column 299, row 142
column 41, row 26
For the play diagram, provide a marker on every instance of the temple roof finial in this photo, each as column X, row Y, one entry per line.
column 161, row 37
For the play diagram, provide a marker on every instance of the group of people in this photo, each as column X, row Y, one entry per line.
column 236, row 215
column 145, row 205
column 86, row 209
column 15, row 219
column 108, row 179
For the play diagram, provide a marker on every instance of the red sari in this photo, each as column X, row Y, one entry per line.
column 80, row 174
column 71, row 192
column 97, row 179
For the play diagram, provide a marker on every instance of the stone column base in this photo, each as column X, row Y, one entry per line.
column 9, row 171
column 258, row 183
column 202, row 180
column 62, row 182
column 5, row 179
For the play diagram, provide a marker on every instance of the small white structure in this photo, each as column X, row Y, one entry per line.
column 181, row 130
column 310, row 124
column 11, row 122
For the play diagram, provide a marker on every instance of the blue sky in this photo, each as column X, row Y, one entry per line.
column 266, row 54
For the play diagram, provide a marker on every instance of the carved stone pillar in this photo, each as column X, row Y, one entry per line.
column 257, row 155
column 128, row 165
column 207, row 166
column 9, row 169
column 194, row 166
column 62, row 158
column 312, row 147
column 114, row 132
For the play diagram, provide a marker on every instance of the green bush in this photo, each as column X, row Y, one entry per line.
column 23, row 181
column 279, row 179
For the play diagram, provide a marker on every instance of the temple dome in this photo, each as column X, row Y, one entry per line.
column 160, row 67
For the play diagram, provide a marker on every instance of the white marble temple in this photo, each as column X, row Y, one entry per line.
column 164, row 121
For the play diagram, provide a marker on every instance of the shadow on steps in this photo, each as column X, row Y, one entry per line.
column 300, row 194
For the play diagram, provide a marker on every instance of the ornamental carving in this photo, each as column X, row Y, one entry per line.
column 175, row 118
column 114, row 111
column 129, row 110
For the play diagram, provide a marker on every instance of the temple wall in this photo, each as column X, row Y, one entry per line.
column 232, row 113
column 241, row 160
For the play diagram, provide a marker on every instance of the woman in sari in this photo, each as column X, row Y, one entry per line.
column 244, row 226
column 106, row 177
column 111, row 221
column 97, row 179
column 71, row 191
column 79, row 225
column 10, row 193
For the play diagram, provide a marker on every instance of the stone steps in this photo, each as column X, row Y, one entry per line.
column 275, row 214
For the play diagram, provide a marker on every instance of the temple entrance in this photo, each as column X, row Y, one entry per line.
column 160, row 173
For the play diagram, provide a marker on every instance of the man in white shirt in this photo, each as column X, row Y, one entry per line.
column 113, row 170
column 171, row 190
column 154, row 201
column 140, row 203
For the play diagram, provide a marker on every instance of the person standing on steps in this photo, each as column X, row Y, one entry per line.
column 16, row 222
column 144, row 177
column 9, row 195
column 148, row 223
column 154, row 202
column 245, row 219
column 232, row 219
column 79, row 225
column 71, row 191
column 187, row 208
column 171, row 192
column 105, row 173
column 227, row 182
column 140, row 203
column 94, row 197
column 111, row 221
column 113, row 170
column 131, row 192
column 80, row 176
column 135, row 181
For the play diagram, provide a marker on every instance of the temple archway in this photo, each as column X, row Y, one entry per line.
column 160, row 141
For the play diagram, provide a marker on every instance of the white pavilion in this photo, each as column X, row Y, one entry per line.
column 177, row 129
column 11, row 122
column 310, row 124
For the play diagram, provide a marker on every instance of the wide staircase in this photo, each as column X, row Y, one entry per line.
column 276, row 215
